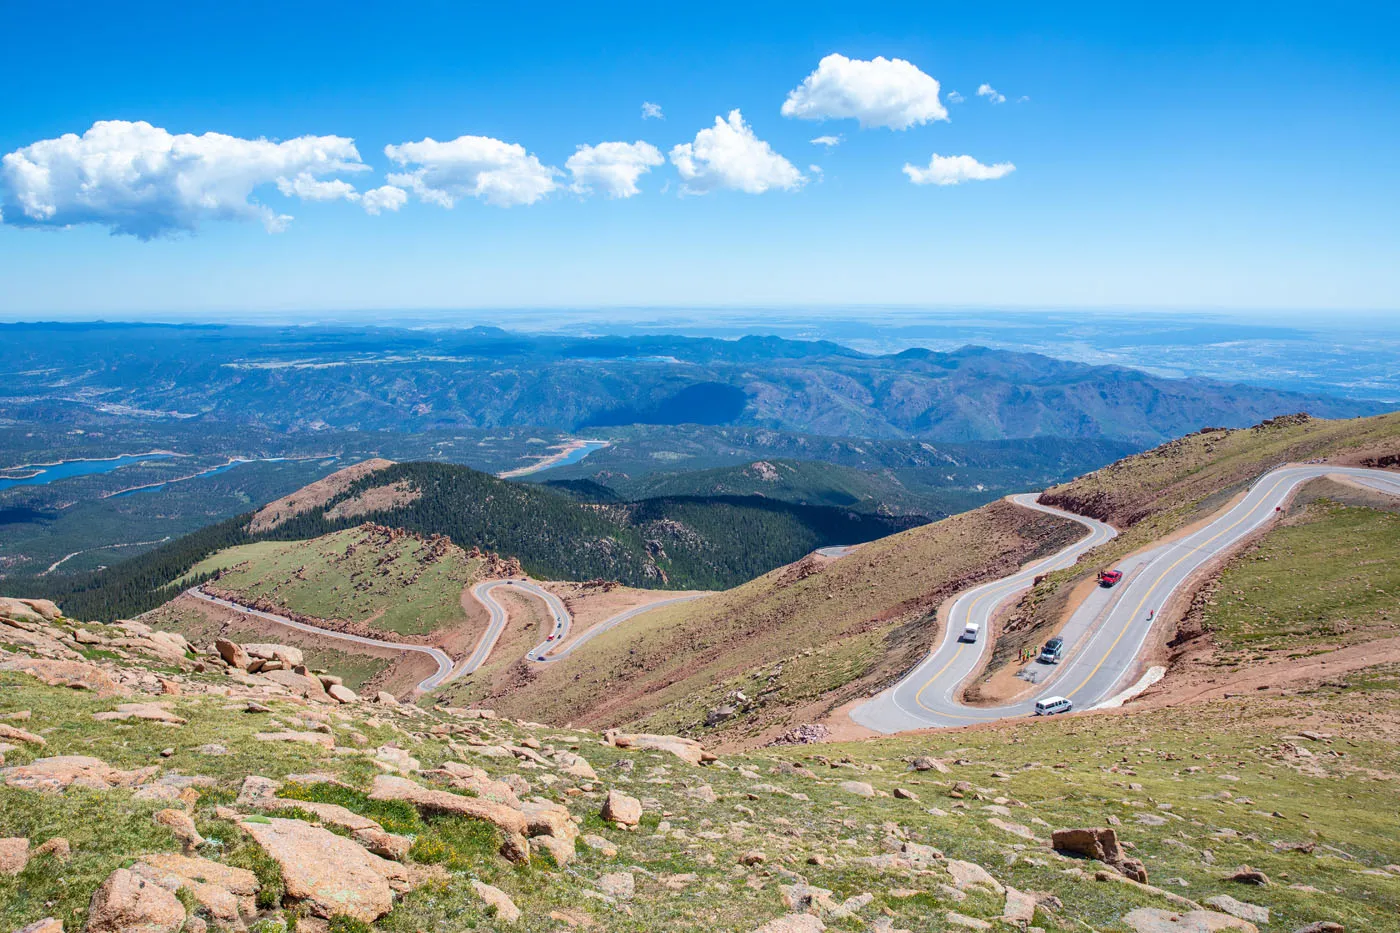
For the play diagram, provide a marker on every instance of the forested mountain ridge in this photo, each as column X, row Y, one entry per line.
column 314, row 378
column 683, row 542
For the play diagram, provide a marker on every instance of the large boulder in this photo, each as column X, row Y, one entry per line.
column 512, row 823
column 232, row 653
column 302, row 685
column 58, row 773
column 77, row 675
column 129, row 903
column 226, row 892
column 19, row 610
column 687, row 750
column 289, row 656
column 329, row 873
column 621, row 809
column 1100, row 843
column 1156, row 920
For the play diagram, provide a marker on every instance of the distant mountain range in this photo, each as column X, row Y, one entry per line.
column 316, row 378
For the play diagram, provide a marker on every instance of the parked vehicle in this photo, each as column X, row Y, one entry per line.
column 1052, row 652
column 1052, row 705
column 1109, row 577
column 970, row 632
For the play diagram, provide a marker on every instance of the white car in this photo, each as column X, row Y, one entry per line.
column 970, row 632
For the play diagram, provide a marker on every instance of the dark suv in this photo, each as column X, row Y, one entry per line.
column 1052, row 652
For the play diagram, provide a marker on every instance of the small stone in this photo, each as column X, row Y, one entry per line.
column 1246, row 875
column 180, row 823
column 14, row 855
column 57, row 847
column 903, row 793
column 619, row 884
column 497, row 901
column 858, row 788
column 752, row 857
column 47, row 925
column 1244, row 911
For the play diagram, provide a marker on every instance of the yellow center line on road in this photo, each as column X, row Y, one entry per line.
column 1001, row 591
column 1162, row 576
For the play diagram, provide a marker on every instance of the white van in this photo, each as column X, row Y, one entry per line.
column 1052, row 705
column 970, row 632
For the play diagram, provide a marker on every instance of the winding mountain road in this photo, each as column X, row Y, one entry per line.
column 563, row 621
column 438, row 678
column 1107, row 632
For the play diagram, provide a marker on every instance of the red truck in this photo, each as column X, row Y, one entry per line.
column 1109, row 577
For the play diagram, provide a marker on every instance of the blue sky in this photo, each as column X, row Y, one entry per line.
column 1210, row 156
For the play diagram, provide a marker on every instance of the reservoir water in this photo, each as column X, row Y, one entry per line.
column 40, row 474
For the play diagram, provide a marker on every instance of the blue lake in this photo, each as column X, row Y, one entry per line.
column 576, row 455
column 43, row 475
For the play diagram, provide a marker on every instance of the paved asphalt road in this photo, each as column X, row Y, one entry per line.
column 563, row 621
column 444, row 662
column 1106, row 633
column 482, row 591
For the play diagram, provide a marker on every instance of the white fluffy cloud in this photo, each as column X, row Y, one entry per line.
column 955, row 98
column 991, row 93
column 499, row 173
column 882, row 92
column 954, row 170
column 309, row 188
column 651, row 111
column 142, row 180
column 827, row 141
column 729, row 155
column 385, row 198
column 612, row 168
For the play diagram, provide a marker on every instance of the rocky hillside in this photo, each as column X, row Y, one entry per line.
column 151, row 785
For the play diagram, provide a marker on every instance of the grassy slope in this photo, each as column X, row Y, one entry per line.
column 833, row 627
column 1328, row 578
column 1153, row 494
column 193, row 620
column 806, row 482
column 400, row 584
column 1071, row 771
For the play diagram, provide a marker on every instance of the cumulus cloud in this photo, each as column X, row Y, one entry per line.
column 882, row 92
column 385, row 198
column 729, row 155
column 651, row 111
column 827, row 141
column 991, row 93
column 309, row 188
column 499, row 173
column 954, row 170
column 955, row 98
column 612, row 168
column 141, row 180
